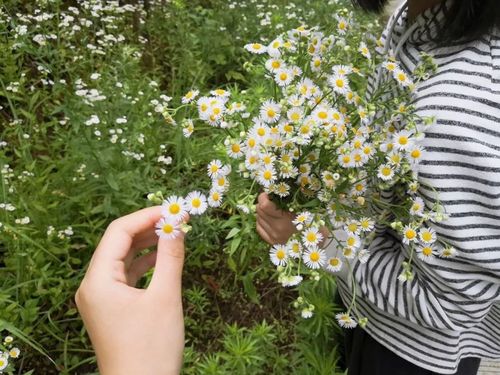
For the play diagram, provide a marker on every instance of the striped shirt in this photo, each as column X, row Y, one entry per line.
column 451, row 310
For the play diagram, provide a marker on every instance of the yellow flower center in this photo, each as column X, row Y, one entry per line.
column 196, row 202
column 251, row 142
column 283, row 76
column 261, row 132
column 267, row 175
column 275, row 64
column 346, row 159
column 410, row 234
column 311, row 237
column 295, row 117
column 353, row 227
column 271, row 113
column 386, row 171
column 295, row 248
column 351, row 241
column 403, row 140
column 174, row 208
column 339, row 82
column 168, row 228
column 256, row 46
column 314, row 256
column 322, row 115
column 235, row 148
column 427, row 251
column 415, row 154
column 427, row 236
column 215, row 196
column 334, row 262
column 280, row 254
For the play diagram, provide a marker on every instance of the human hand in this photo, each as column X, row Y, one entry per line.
column 134, row 331
column 273, row 225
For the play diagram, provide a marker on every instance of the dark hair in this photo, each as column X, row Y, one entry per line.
column 464, row 19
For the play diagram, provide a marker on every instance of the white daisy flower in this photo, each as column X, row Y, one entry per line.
column 235, row 150
column 190, row 96
column 352, row 227
column 284, row 77
column 353, row 241
column 427, row 235
column 426, row 253
column 448, row 252
column 214, row 168
column 288, row 281
column 316, row 63
column 345, row 320
column 417, row 207
column 306, row 87
column 342, row 25
column 366, row 224
column 256, row 48
column 403, row 140
column 4, row 361
column 322, row 114
column 295, row 114
column 196, row 203
column 385, row 172
column 341, row 70
column 294, row 248
column 274, row 64
column 215, row 198
column 273, row 49
column 415, row 153
column 168, row 228
column 266, row 176
column 282, row 190
column 363, row 49
column 402, row 78
column 390, row 65
column 220, row 184
column 270, row 111
column 314, row 258
column 349, row 252
column 220, row 93
column 279, row 255
column 311, row 237
column 14, row 352
column 334, row 264
column 174, row 207
column 295, row 100
column 346, row 160
column 303, row 219
column 409, row 235
column 339, row 84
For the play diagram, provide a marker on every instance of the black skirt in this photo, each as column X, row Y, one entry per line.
column 365, row 356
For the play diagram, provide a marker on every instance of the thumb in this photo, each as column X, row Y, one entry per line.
column 167, row 276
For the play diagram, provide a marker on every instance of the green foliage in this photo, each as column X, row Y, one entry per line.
column 66, row 176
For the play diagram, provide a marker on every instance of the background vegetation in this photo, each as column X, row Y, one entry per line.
column 82, row 141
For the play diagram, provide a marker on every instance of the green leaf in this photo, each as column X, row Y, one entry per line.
column 249, row 288
column 110, row 179
column 233, row 232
